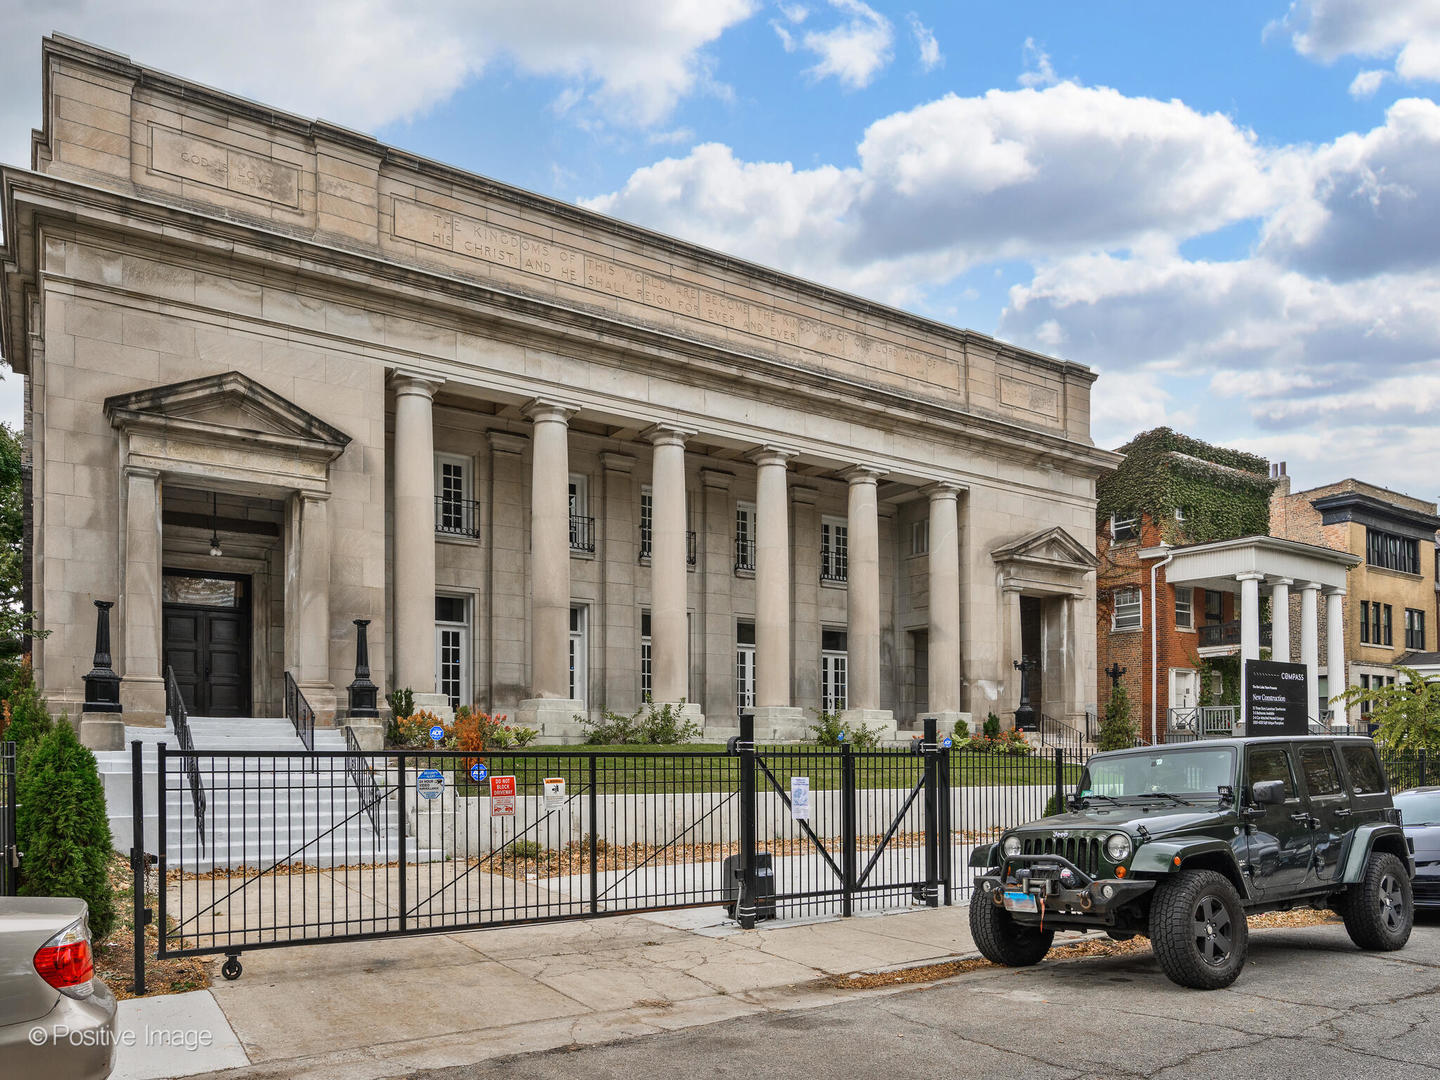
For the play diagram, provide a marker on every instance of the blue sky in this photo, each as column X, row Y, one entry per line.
column 1231, row 210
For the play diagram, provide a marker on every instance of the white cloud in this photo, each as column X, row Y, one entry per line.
column 1407, row 30
column 368, row 64
column 1039, row 71
column 925, row 42
column 855, row 50
column 1367, row 82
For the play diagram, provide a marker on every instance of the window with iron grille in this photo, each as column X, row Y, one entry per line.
column 744, row 536
column 454, row 509
column 744, row 666
column 647, row 520
column 834, row 549
column 1128, row 610
column 834, row 670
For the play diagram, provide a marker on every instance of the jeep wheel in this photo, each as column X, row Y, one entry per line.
column 1198, row 929
column 1380, row 911
column 1002, row 940
column 1120, row 935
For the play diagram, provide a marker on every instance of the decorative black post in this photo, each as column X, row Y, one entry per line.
column 363, row 692
column 1115, row 671
column 102, row 685
column 1025, row 715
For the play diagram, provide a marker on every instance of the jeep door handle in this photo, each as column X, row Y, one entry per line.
column 1342, row 813
column 1305, row 819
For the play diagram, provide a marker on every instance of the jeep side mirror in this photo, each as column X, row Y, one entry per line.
column 1268, row 792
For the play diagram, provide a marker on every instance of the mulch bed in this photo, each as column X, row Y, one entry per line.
column 115, row 958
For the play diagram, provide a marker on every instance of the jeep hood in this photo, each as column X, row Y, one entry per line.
column 1159, row 819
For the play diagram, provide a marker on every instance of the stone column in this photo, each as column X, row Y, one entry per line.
column 717, row 540
column 550, row 707
column 945, row 604
column 1280, row 620
column 669, row 578
column 863, row 603
column 142, row 689
column 775, row 717
column 1249, row 615
column 414, row 564
column 1310, row 646
column 506, row 636
column 1337, row 677
column 619, row 521
column 804, row 598
column 314, row 604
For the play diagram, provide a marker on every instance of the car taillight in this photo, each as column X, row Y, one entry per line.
column 66, row 963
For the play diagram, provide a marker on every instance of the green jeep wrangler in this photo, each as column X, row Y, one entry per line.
column 1183, row 842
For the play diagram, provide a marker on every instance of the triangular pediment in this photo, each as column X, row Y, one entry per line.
column 227, row 407
column 1054, row 547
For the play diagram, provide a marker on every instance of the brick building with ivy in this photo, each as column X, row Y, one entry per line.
column 1171, row 491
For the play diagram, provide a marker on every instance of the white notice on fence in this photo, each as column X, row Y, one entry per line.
column 800, row 797
column 554, row 793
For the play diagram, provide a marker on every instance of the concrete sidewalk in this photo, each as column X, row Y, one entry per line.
column 380, row 1008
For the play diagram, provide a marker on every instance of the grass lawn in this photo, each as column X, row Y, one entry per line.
column 706, row 767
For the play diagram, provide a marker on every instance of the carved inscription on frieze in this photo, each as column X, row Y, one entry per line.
column 178, row 154
column 1023, row 395
column 482, row 240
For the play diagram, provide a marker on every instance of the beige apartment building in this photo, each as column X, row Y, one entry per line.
column 1389, row 607
column 281, row 377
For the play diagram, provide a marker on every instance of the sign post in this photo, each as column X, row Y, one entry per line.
column 1276, row 698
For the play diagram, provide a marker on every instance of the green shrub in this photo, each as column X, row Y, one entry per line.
column 1117, row 730
column 63, row 828
column 662, row 726
column 991, row 728
column 1053, row 806
column 831, row 731
column 26, row 719
column 402, row 704
column 962, row 731
column 525, row 849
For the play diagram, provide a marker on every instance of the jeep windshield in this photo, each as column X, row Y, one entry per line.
column 1180, row 774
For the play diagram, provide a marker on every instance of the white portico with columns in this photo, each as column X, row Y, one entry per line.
column 561, row 464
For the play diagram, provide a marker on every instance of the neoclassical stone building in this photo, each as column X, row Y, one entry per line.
column 281, row 377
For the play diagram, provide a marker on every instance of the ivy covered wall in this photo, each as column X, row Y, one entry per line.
column 1221, row 494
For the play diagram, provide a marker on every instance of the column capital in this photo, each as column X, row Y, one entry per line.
column 1310, row 586
column 1285, row 581
column 769, row 454
column 142, row 472
column 313, row 496
column 411, row 381
column 716, row 479
column 1334, row 590
column 1250, row 575
column 543, row 410
column 941, row 490
column 666, row 434
column 506, row 442
column 611, row 461
column 862, row 474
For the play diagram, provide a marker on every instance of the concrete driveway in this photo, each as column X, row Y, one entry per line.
column 1309, row 1004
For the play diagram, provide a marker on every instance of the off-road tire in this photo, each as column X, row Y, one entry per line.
column 1002, row 940
column 1379, row 911
column 1120, row 935
column 1198, row 929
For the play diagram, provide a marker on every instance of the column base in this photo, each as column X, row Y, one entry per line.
column 438, row 704
column 883, row 719
column 781, row 723
column 370, row 734
column 554, row 718
column 102, row 731
column 325, row 701
column 143, row 699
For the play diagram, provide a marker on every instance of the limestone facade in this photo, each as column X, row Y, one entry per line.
column 510, row 432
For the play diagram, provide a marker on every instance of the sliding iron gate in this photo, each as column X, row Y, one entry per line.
column 266, row 849
column 9, row 850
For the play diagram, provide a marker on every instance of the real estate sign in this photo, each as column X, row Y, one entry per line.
column 1276, row 698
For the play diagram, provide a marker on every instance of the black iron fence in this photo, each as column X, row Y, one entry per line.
column 457, row 517
column 582, row 533
column 180, row 721
column 9, row 850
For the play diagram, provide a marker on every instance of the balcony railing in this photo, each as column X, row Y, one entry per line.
column 1228, row 633
column 690, row 548
column 834, row 565
column 744, row 554
column 582, row 533
column 1204, row 720
column 457, row 517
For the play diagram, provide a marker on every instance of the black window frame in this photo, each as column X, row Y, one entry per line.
column 1390, row 551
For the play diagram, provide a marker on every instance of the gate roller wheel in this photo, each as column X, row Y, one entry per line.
column 231, row 969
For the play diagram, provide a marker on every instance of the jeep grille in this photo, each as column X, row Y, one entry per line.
column 1083, row 851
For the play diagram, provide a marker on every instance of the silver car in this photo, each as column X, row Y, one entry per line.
column 57, row 1021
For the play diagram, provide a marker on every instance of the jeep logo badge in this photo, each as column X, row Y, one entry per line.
column 1063, row 834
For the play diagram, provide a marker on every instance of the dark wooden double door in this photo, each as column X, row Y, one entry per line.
column 208, row 648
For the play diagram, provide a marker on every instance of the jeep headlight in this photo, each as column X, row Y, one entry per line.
column 1012, row 846
column 1118, row 847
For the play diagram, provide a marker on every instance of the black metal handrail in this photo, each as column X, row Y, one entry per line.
column 362, row 775
column 1056, row 732
column 299, row 713
column 457, row 517
column 1228, row 633
column 180, row 721
column 582, row 533
column 744, row 554
column 690, row 547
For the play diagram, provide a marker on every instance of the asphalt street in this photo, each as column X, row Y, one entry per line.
column 1309, row 1004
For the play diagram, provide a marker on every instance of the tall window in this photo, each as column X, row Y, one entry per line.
column 1127, row 614
column 834, row 549
column 646, row 670
column 744, row 666
column 1377, row 623
column 582, row 527
column 1184, row 608
column 920, row 537
column 1214, row 607
column 744, row 536
column 834, row 670
column 647, row 520
column 454, row 509
column 1414, row 629
column 579, row 654
column 1373, row 682
column 452, row 649
column 1392, row 552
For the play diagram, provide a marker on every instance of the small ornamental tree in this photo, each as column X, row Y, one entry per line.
column 62, row 826
column 1117, row 730
column 1406, row 712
